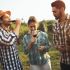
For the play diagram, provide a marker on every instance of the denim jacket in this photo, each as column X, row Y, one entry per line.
column 34, row 55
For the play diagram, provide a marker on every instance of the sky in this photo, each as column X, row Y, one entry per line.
column 41, row 9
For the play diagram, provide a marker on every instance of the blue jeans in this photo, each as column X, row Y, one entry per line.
column 40, row 67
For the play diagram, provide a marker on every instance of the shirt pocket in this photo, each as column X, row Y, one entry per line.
column 41, row 41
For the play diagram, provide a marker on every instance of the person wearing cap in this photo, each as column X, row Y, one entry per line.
column 35, row 45
column 61, row 33
column 8, row 52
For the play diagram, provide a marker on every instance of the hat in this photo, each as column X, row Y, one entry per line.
column 2, row 12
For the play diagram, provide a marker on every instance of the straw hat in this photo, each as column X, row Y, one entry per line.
column 2, row 12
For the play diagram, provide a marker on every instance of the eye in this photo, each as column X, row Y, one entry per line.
column 54, row 11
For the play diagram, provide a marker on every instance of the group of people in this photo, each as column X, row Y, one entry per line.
column 35, row 42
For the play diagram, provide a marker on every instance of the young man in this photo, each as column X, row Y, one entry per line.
column 35, row 45
column 61, row 32
column 8, row 53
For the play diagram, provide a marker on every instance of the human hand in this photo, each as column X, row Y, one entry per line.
column 41, row 48
column 18, row 22
column 33, row 39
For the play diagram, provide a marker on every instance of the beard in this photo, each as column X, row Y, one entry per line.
column 56, row 17
column 6, row 23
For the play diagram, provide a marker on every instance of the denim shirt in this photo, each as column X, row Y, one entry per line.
column 35, row 56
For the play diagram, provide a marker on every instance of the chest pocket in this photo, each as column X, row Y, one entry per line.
column 41, row 39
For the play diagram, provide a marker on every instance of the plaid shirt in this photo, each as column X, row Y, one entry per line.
column 34, row 55
column 8, row 52
column 62, row 38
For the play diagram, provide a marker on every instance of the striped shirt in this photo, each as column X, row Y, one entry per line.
column 61, row 38
column 9, row 59
column 36, row 57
